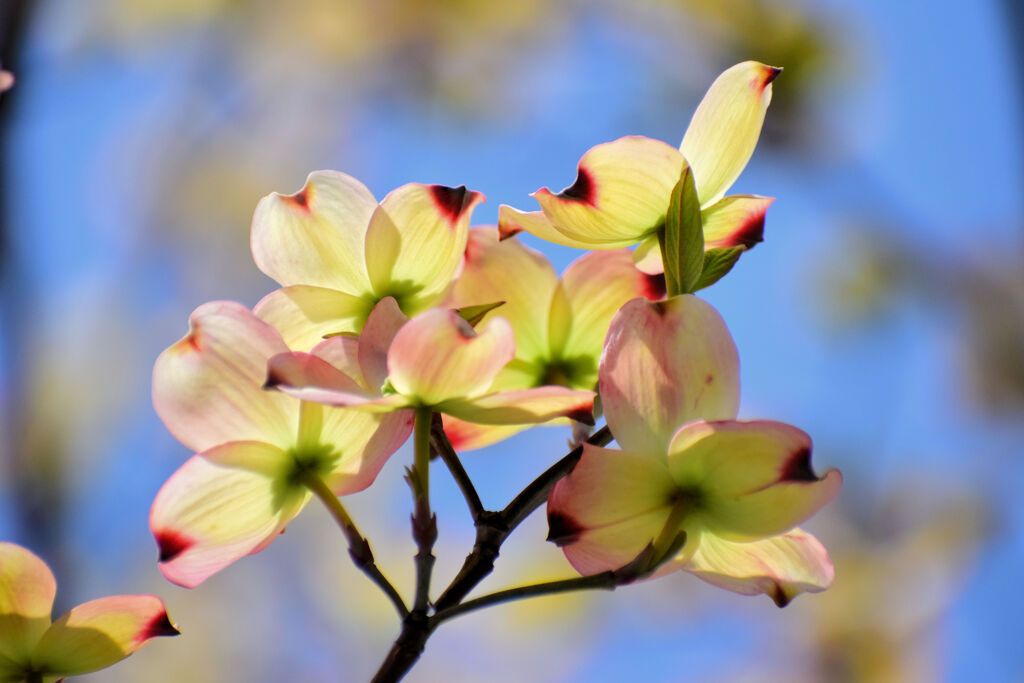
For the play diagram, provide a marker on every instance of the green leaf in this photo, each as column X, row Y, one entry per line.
column 474, row 314
column 717, row 262
column 682, row 246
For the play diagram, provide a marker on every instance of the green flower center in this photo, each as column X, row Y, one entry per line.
column 307, row 461
column 404, row 293
column 686, row 500
column 572, row 373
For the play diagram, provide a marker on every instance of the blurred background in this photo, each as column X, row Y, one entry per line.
column 884, row 314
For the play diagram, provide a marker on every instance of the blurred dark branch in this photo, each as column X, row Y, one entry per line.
column 32, row 452
column 13, row 22
column 492, row 528
column 1014, row 13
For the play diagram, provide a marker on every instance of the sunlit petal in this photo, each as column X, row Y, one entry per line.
column 207, row 387
column 310, row 378
column 383, row 246
column 621, row 193
column 344, row 399
column 666, row 364
column 526, row 406
column 647, row 256
column 735, row 221
column 755, row 477
column 437, row 356
column 613, row 546
column 297, row 370
column 27, row 589
column 511, row 222
column 507, row 271
column 220, row 506
column 735, row 457
column 780, row 567
column 517, row 375
column 304, row 315
column 342, row 352
column 468, row 436
column 725, row 128
column 315, row 236
column 609, row 507
column 416, row 246
column 597, row 285
column 560, row 322
column 99, row 633
column 365, row 441
column 773, row 510
column 384, row 322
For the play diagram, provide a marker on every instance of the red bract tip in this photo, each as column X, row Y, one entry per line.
column 584, row 414
column 798, row 467
column 582, row 190
column 452, row 202
column 171, row 544
column 160, row 626
column 298, row 201
column 653, row 286
column 773, row 73
column 563, row 529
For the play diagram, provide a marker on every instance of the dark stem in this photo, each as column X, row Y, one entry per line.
column 642, row 566
column 494, row 527
column 358, row 547
column 534, row 495
column 424, row 522
column 604, row 580
column 491, row 532
column 406, row 650
column 443, row 447
column 409, row 645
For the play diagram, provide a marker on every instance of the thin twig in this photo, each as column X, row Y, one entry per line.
column 408, row 647
column 642, row 566
column 494, row 527
column 534, row 495
column 358, row 547
column 424, row 522
column 447, row 453
column 604, row 580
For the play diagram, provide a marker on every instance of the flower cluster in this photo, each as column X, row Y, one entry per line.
column 88, row 638
column 391, row 313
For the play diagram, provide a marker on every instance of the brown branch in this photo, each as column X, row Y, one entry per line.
column 642, row 566
column 443, row 447
column 494, row 527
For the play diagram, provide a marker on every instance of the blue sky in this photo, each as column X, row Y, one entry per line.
column 924, row 129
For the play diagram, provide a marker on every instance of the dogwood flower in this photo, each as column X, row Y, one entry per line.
column 254, row 447
column 559, row 324
column 337, row 252
column 435, row 360
column 622, row 189
column 669, row 385
column 91, row 636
